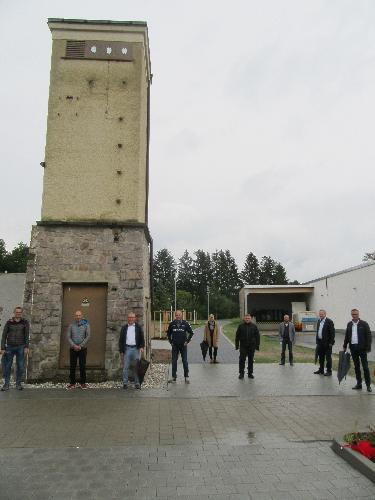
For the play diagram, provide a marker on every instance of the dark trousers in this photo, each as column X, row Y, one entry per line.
column 360, row 356
column 176, row 350
column 246, row 352
column 325, row 354
column 74, row 356
column 284, row 343
column 214, row 349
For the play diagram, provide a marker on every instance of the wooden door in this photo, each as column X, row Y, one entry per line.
column 92, row 301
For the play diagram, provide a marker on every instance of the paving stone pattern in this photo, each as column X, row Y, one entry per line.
column 217, row 438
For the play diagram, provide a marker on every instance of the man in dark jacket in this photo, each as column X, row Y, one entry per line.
column 287, row 337
column 247, row 340
column 325, row 338
column 358, row 336
column 179, row 335
column 131, row 345
column 15, row 342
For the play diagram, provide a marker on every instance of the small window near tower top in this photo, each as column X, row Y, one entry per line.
column 124, row 50
column 93, row 49
column 109, row 50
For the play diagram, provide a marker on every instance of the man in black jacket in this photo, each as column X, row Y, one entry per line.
column 131, row 345
column 247, row 340
column 358, row 336
column 325, row 338
column 179, row 335
column 15, row 342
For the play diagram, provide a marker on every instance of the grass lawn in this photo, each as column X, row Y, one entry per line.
column 269, row 351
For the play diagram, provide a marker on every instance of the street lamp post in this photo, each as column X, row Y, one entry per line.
column 208, row 301
column 175, row 292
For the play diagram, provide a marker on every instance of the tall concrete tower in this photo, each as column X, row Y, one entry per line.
column 91, row 250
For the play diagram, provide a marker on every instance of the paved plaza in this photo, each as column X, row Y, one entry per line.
column 216, row 438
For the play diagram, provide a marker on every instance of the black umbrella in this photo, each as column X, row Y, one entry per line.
column 344, row 365
column 141, row 367
column 204, row 348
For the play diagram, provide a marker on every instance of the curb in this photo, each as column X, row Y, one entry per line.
column 355, row 459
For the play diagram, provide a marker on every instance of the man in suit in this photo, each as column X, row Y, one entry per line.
column 325, row 338
column 358, row 336
column 247, row 340
column 287, row 337
column 131, row 345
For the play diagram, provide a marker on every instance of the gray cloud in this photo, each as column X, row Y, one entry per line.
column 262, row 122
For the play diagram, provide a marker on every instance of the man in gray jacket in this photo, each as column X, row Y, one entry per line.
column 78, row 337
column 287, row 337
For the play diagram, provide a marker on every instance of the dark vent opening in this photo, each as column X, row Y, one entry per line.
column 75, row 49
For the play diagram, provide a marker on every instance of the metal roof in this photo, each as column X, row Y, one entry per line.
column 348, row 270
column 97, row 21
column 302, row 285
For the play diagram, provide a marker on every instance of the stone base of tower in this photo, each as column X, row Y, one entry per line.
column 103, row 270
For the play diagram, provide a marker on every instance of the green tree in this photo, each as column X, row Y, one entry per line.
column 201, row 276
column 16, row 260
column 3, row 255
column 164, row 272
column 185, row 272
column 369, row 256
column 185, row 300
column 279, row 275
column 250, row 273
column 266, row 270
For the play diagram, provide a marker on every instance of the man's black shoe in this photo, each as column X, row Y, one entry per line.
column 19, row 387
column 369, row 388
column 250, row 375
column 187, row 381
column 5, row 387
column 281, row 363
column 125, row 386
column 240, row 376
column 292, row 364
column 328, row 374
column 357, row 387
column 318, row 372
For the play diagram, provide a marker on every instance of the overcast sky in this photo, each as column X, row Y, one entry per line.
column 262, row 124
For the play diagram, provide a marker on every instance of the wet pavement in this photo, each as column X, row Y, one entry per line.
column 216, row 438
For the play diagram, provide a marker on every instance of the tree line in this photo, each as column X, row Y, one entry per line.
column 14, row 261
column 201, row 277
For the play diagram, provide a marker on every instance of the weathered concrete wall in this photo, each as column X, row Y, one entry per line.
column 82, row 254
column 96, row 149
column 11, row 294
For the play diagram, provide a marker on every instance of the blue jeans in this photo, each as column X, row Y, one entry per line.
column 9, row 354
column 130, row 357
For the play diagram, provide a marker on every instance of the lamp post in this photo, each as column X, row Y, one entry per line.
column 208, row 301
column 175, row 292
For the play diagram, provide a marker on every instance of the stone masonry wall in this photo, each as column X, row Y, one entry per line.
column 83, row 254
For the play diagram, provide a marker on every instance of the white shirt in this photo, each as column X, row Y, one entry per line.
column 130, row 337
column 320, row 332
column 354, row 333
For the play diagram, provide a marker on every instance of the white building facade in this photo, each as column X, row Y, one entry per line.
column 339, row 292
